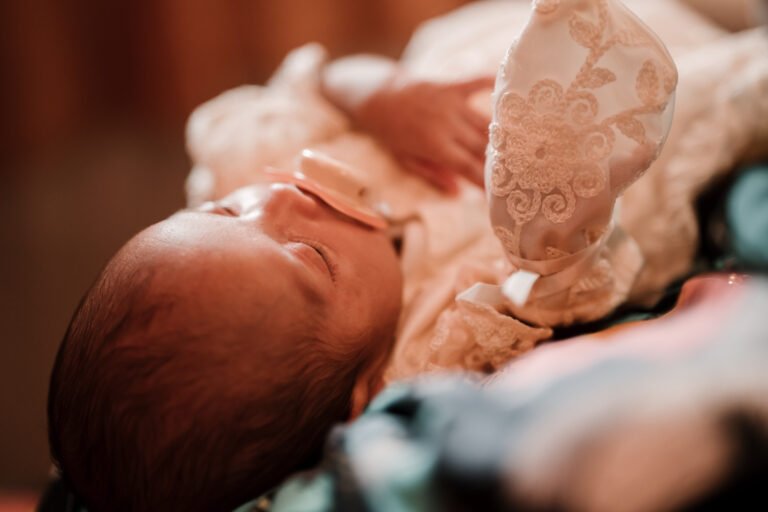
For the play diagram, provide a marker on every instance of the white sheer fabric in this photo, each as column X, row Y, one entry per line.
column 582, row 106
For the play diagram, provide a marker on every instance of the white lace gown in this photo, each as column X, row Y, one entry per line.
column 627, row 254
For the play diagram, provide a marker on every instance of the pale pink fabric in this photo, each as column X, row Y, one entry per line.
column 232, row 137
column 703, row 309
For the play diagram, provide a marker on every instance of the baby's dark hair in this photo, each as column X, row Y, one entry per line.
column 147, row 415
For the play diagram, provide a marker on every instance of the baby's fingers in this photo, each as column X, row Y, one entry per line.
column 442, row 180
column 467, row 87
column 464, row 162
column 472, row 139
column 478, row 121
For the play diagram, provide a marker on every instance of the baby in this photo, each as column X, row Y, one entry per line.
column 218, row 347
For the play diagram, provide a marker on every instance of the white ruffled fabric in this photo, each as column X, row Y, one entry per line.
column 235, row 135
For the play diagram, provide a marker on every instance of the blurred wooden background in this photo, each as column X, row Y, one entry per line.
column 94, row 97
column 69, row 64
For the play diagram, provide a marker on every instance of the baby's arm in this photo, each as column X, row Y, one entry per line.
column 569, row 134
column 429, row 126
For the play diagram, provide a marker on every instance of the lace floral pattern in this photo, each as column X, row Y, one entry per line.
column 549, row 147
column 548, row 152
column 546, row 6
column 476, row 337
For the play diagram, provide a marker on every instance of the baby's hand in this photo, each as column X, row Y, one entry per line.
column 431, row 128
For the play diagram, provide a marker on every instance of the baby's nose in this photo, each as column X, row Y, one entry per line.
column 286, row 200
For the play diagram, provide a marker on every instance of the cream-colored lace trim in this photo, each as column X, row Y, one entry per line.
column 476, row 337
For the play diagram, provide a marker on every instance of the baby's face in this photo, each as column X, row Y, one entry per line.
column 275, row 257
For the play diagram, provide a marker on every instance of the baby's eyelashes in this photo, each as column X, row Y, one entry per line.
column 317, row 255
column 227, row 210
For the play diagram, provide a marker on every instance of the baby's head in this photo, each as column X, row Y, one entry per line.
column 217, row 349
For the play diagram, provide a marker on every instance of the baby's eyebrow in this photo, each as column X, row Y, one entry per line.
column 205, row 207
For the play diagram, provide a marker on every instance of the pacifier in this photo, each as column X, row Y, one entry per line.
column 334, row 183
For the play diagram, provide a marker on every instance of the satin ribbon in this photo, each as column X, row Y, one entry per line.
column 536, row 279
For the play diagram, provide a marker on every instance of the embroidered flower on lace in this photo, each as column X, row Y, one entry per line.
column 546, row 6
column 549, row 153
column 548, row 148
column 508, row 237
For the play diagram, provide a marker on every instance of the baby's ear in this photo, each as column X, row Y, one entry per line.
column 367, row 386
